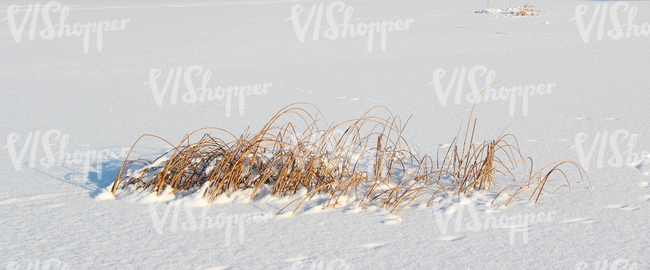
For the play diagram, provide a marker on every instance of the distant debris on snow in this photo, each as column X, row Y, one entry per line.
column 526, row 10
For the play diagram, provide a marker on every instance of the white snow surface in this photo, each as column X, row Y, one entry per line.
column 58, row 102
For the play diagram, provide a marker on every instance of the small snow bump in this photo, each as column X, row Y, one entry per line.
column 450, row 238
column 105, row 195
column 372, row 245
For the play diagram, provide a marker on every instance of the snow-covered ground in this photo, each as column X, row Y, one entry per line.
column 73, row 102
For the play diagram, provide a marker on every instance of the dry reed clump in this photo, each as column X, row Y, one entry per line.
column 521, row 11
column 527, row 10
column 369, row 161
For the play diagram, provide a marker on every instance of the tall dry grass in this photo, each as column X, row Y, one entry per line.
column 369, row 162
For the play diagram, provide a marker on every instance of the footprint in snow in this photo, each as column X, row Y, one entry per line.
column 30, row 199
column 356, row 98
column 301, row 90
column 578, row 219
column 50, row 206
column 626, row 207
column 297, row 259
column 392, row 220
column 645, row 184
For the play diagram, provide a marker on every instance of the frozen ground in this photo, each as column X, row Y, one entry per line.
column 58, row 97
